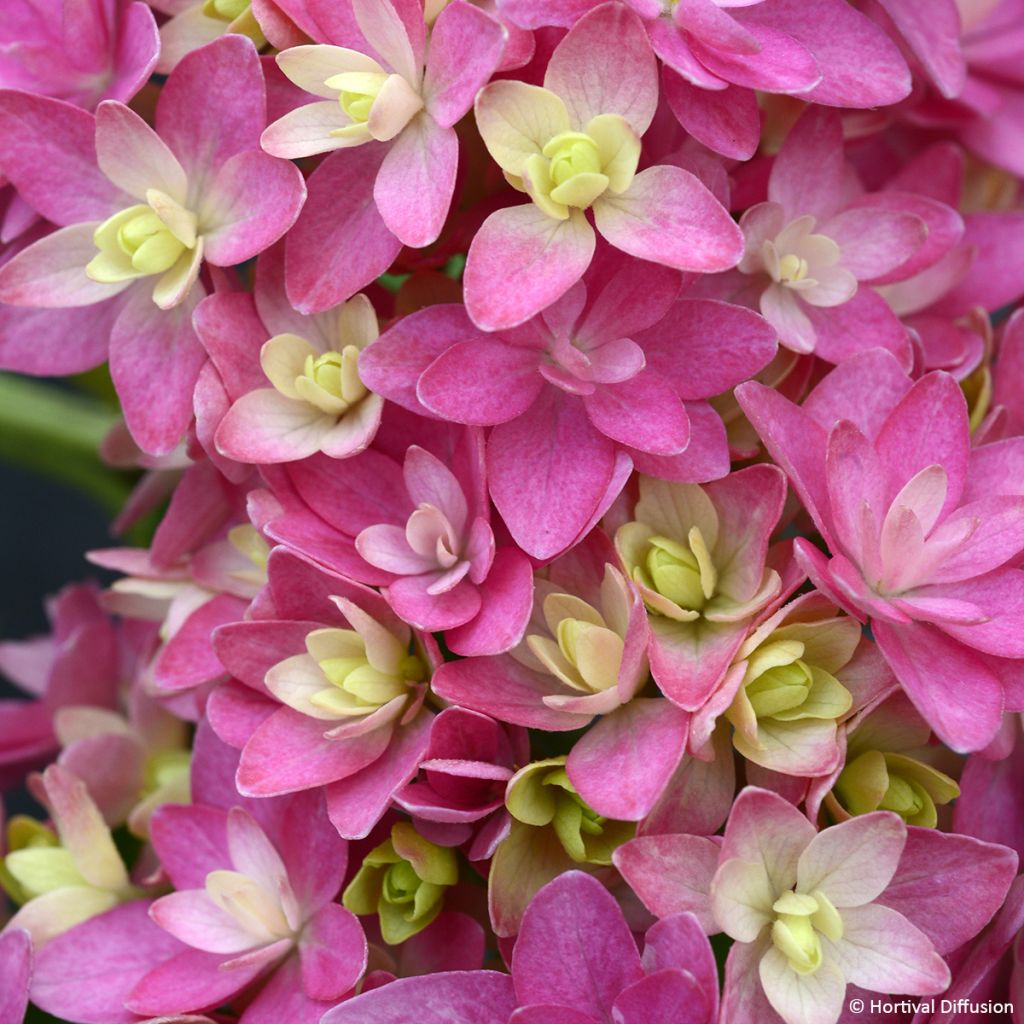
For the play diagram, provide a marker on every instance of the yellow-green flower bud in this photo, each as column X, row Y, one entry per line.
column 402, row 881
column 801, row 919
column 541, row 794
column 24, row 834
column 876, row 781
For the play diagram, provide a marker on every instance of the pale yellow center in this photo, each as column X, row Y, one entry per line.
column 800, row 921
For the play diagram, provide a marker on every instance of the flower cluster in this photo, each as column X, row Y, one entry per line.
column 588, row 445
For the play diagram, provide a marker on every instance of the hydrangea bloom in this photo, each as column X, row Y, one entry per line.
column 566, row 461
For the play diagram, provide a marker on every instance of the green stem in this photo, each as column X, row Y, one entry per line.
column 57, row 432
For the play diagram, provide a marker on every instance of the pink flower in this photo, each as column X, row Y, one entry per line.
column 599, row 371
column 698, row 555
column 78, row 664
column 408, row 96
column 584, row 655
column 920, row 531
column 140, row 210
column 574, row 960
column 15, row 973
column 869, row 902
column 418, row 528
column 249, row 907
column 574, row 146
column 461, row 786
column 332, row 696
column 81, row 51
column 820, row 242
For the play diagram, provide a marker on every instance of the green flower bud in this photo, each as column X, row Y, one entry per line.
column 877, row 781
column 402, row 881
column 542, row 795
column 24, row 834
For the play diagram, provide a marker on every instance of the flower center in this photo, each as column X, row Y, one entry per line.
column 357, row 92
column 683, row 573
column 225, row 10
column 331, row 381
column 800, row 921
column 571, row 153
column 792, row 268
column 356, row 687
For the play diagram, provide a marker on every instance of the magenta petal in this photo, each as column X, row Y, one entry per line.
column 288, row 752
column 155, row 358
column 414, row 186
column 15, row 971
column 863, row 324
column 411, row 599
column 679, row 942
column 481, row 382
column 949, row 886
column 339, row 244
column 549, row 1014
column 392, row 366
column 665, row 997
column 458, row 997
column 726, row 120
column 991, row 804
column 87, row 973
column 667, row 215
column 192, row 980
column 503, row 688
column 332, row 951
column 50, row 157
column 644, row 413
column 809, row 174
column 934, row 37
column 190, row 842
column 59, row 342
column 520, row 261
column 506, row 598
column 931, row 667
column 574, row 947
column 548, row 470
column 621, row 766
column 357, row 803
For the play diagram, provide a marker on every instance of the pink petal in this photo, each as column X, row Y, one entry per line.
column 411, row 598
column 398, row 41
column 930, row 667
column 665, row 997
column 574, row 947
column 87, row 973
column 724, row 346
column 253, row 200
column 414, row 187
column 864, row 323
column 288, row 752
column 668, row 216
column 934, row 38
column 190, row 842
column 548, row 471
column 965, row 881
column 193, row 918
column 875, row 241
column 782, row 64
column 860, row 65
column 133, row 156
column 503, row 688
column 339, row 244
column 506, row 598
column 205, row 135
column 726, row 121
column 671, row 874
column 266, row 426
column 621, row 766
column 472, row 997
column 881, row 949
column 809, row 174
column 679, row 942
column 465, row 47
column 50, row 157
column 482, row 382
column 645, row 413
column 358, row 802
column 393, row 364
column 62, row 342
column 605, row 66
column 155, row 358
column 15, row 972
column 520, row 261
column 333, row 953
column 188, row 658
column 51, row 272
